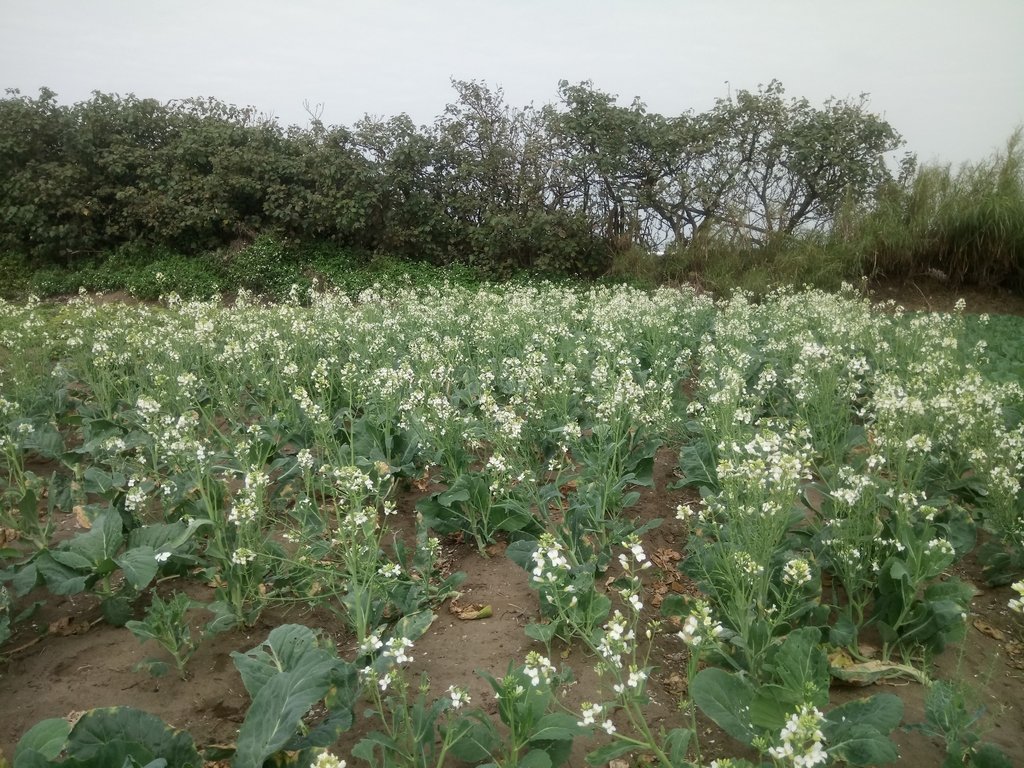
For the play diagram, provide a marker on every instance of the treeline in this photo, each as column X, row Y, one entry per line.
column 567, row 187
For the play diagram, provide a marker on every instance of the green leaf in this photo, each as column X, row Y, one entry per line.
column 165, row 536
column 288, row 648
column 97, row 481
column 72, row 560
column 366, row 747
column 59, row 579
column 101, row 542
column 117, row 609
column 882, row 712
column 844, row 632
column 521, row 553
column 725, row 697
column 677, row 743
column 604, row 755
column 474, row 740
column 46, row 441
column 988, row 755
column 46, row 738
column 535, row 758
column 26, row 578
column 543, row 633
column 862, row 745
column 139, row 566
column 557, row 726
column 110, row 736
column 801, row 667
column 277, row 710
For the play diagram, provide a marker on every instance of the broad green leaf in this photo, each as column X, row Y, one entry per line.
column 117, row 608
column 521, row 552
column 543, row 633
column 288, row 648
column 862, row 745
column 882, row 712
column 46, row 738
column 986, row 755
column 96, row 480
column 277, row 710
column 26, row 578
column 801, row 666
column 604, row 755
column 46, row 441
column 367, row 745
column 165, row 536
column 474, row 740
column 725, row 697
column 139, row 566
column 101, row 542
column 60, row 579
column 72, row 560
column 557, row 726
column 109, row 736
column 535, row 758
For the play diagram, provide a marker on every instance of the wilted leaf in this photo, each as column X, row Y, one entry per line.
column 843, row 667
column 471, row 612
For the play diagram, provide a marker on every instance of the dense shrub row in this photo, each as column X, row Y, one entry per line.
column 758, row 189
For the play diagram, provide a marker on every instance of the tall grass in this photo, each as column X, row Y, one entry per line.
column 964, row 227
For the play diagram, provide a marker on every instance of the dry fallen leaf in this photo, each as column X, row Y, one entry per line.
column 81, row 517
column 68, row 626
column 666, row 558
column 987, row 629
column 497, row 549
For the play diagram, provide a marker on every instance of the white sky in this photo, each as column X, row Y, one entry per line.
column 948, row 74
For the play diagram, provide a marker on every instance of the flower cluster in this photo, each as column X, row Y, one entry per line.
column 801, row 742
column 1017, row 603
column 591, row 714
column 616, row 640
column 796, row 572
column 700, row 627
column 549, row 562
column 538, row 668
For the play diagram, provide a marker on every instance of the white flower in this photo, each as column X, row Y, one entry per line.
column 801, row 742
column 590, row 714
column 699, row 626
column 396, row 649
column 162, row 557
column 459, row 697
column 1017, row 604
column 327, row 760
column 369, row 645
column 538, row 668
column 796, row 573
column 242, row 556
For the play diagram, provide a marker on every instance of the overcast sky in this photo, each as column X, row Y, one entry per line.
column 947, row 74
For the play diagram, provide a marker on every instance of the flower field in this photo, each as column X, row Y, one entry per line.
column 621, row 525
